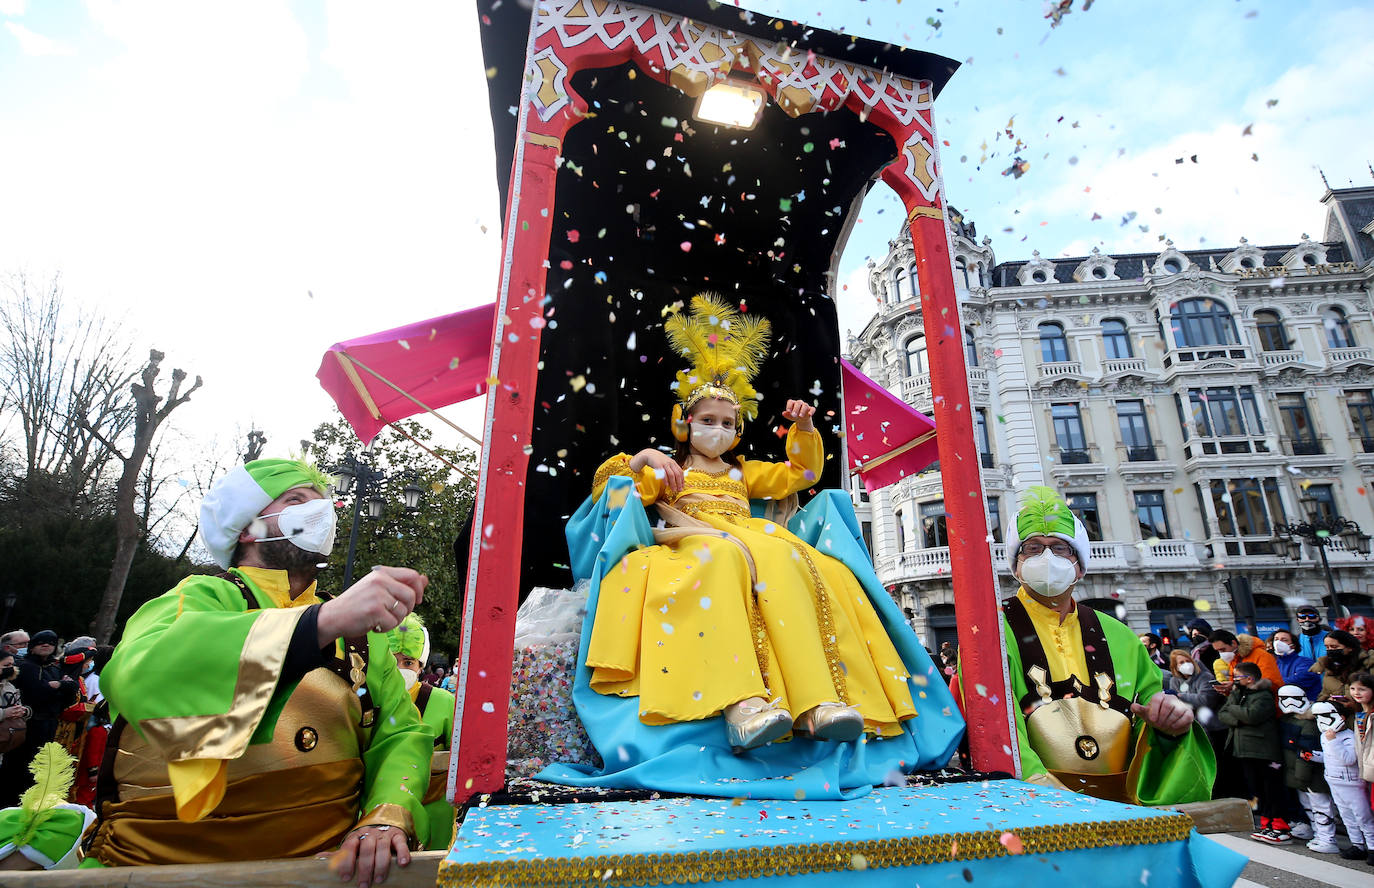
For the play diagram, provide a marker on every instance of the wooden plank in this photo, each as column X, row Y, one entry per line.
column 1219, row 815
column 423, row 872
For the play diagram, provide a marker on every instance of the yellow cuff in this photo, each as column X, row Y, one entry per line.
column 389, row 815
column 197, row 786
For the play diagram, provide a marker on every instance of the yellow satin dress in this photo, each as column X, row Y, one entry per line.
column 740, row 609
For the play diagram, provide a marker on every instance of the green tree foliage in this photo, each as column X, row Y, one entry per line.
column 422, row 540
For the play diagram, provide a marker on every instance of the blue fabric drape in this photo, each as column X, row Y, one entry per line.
column 695, row 757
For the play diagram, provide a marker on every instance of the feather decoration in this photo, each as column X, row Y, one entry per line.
column 1044, row 512
column 726, row 349
column 54, row 771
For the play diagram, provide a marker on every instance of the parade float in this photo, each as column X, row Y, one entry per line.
column 646, row 154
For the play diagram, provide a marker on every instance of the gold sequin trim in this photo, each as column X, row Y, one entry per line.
column 792, row 860
column 696, row 483
column 616, row 465
column 825, row 621
column 715, row 507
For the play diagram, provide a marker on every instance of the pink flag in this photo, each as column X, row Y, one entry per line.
column 393, row 374
column 887, row 438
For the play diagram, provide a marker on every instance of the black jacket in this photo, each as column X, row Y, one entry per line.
column 46, row 702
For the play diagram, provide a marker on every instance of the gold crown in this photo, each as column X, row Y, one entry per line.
column 726, row 350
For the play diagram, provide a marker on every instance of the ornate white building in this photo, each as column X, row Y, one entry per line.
column 1187, row 404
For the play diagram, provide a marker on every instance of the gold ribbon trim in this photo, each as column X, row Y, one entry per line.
column 226, row 735
column 791, row 860
column 932, row 212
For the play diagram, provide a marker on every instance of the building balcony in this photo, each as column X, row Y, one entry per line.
column 985, row 460
column 1342, row 357
column 916, row 391
column 920, row 565
column 1274, row 361
column 1201, row 447
column 1060, row 369
column 1209, row 359
column 1074, row 465
column 1140, row 453
column 1124, row 366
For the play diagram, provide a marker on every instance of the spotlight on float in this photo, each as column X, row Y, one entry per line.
column 731, row 103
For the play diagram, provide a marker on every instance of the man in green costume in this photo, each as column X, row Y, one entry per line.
column 1091, row 713
column 410, row 644
column 277, row 719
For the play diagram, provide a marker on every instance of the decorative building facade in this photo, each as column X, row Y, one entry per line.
column 1188, row 404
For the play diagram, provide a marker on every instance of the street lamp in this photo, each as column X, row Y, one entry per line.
column 10, row 599
column 1318, row 531
column 367, row 483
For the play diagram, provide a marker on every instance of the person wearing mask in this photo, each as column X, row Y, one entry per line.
column 15, row 642
column 1311, row 632
column 1249, row 712
column 14, row 715
column 1234, row 649
column 1361, row 628
column 289, row 732
column 1348, row 789
column 1341, row 661
column 1092, row 714
column 1294, row 668
column 1302, row 769
column 410, row 644
column 1362, row 692
column 46, row 691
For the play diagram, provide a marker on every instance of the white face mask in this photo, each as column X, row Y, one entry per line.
column 1185, row 668
column 1282, row 648
column 411, row 676
column 1049, row 575
column 1328, row 718
column 1292, row 700
column 1228, row 656
column 309, row 526
column 711, row 441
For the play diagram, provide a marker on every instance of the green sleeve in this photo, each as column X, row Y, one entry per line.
column 230, row 657
column 396, row 763
column 1169, row 770
column 1031, row 765
column 438, row 717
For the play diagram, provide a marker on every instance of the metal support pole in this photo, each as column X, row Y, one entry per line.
column 359, row 489
column 1333, row 611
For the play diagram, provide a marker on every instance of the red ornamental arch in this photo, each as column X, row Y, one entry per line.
column 569, row 36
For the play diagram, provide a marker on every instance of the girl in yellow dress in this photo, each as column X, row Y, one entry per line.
column 726, row 613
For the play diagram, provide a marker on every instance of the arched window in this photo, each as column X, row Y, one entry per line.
column 897, row 295
column 1271, row 333
column 916, row 356
column 913, row 281
column 970, row 348
column 1199, row 322
column 1338, row 334
column 961, row 267
column 1116, row 339
column 1053, row 346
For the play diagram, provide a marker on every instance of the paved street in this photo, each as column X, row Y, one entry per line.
column 1293, row 866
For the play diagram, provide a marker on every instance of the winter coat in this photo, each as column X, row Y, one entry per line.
column 1249, row 713
column 1299, row 734
column 1297, row 670
column 1250, row 649
column 1197, row 692
column 1337, row 684
column 1364, row 747
column 1342, row 764
column 1312, row 646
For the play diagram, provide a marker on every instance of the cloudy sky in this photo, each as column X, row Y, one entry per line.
column 245, row 183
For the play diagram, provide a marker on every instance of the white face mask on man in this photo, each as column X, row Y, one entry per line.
column 711, row 440
column 309, row 526
column 410, row 676
column 1282, row 648
column 1048, row 574
column 1228, row 656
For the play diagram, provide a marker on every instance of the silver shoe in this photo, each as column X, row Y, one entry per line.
column 754, row 722
column 830, row 721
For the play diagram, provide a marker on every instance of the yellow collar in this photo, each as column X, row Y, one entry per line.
column 276, row 585
column 415, row 691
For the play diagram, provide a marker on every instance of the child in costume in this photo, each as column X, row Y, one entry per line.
column 1302, row 765
column 727, row 613
column 1348, row 790
column 43, row 832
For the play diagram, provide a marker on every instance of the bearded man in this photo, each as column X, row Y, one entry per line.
column 255, row 718
column 1091, row 713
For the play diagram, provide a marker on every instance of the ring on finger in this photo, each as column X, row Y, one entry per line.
column 392, row 606
column 378, row 628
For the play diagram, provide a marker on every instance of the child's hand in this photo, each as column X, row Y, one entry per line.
column 800, row 412
column 1330, row 735
column 664, row 466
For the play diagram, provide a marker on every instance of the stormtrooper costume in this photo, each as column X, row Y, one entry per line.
column 1302, row 754
column 1348, row 791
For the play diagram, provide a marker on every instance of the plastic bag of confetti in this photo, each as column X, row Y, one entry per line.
column 543, row 726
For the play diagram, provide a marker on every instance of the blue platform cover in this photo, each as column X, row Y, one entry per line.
column 695, row 757
column 997, row 833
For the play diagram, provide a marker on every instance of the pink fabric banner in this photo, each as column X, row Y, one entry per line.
column 887, row 438
column 396, row 373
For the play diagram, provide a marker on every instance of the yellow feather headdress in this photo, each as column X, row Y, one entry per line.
column 726, row 350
